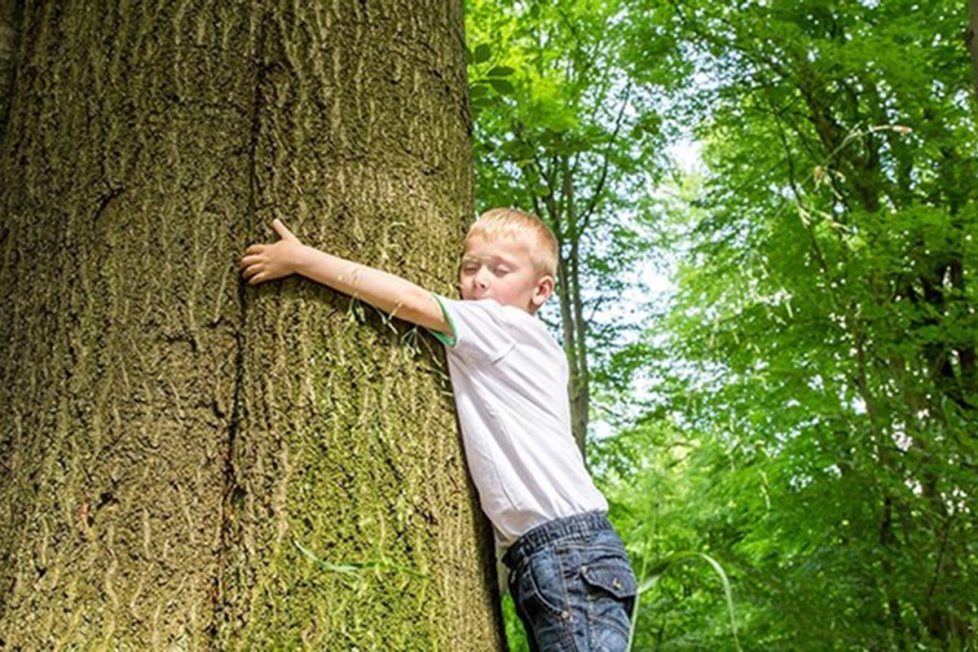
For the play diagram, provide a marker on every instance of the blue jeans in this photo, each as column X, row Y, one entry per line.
column 573, row 585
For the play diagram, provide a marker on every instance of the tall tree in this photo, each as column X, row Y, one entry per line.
column 571, row 139
column 188, row 462
column 823, row 355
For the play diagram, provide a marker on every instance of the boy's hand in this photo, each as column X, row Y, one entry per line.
column 267, row 262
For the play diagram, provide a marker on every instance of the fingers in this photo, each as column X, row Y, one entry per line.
column 252, row 270
column 255, row 274
column 280, row 229
column 254, row 265
column 248, row 261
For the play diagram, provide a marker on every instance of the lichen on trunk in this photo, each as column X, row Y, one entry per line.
column 190, row 462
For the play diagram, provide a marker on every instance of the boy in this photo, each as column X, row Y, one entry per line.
column 569, row 573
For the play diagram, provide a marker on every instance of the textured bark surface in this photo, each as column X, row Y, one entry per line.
column 9, row 41
column 188, row 462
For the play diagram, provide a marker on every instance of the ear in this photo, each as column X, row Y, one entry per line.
column 543, row 290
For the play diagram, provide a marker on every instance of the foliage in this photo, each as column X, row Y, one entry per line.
column 822, row 343
column 812, row 389
column 566, row 135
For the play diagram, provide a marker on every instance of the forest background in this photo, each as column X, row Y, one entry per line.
column 767, row 218
column 767, row 215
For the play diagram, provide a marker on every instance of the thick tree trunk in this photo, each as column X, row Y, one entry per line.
column 187, row 461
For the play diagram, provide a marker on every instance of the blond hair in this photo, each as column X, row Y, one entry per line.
column 526, row 227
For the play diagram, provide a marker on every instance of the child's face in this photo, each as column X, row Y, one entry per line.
column 502, row 269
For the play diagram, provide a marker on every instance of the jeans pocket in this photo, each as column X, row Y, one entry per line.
column 611, row 588
column 540, row 586
column 612, row 575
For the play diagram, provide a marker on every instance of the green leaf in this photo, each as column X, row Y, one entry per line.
column 482, row 53
column 500, row 71
column 502, row 86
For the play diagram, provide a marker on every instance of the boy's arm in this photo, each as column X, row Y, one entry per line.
column 392, row 294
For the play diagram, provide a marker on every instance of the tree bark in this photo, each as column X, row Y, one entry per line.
column 10, row 20
column 188, row 461
column 562, row 216
column 580, row 373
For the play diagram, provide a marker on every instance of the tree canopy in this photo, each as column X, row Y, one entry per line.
column 810, row 388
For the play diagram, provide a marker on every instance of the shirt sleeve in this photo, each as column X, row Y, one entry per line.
column 480, row 329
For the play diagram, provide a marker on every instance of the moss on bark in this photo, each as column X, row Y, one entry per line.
column 172, row 439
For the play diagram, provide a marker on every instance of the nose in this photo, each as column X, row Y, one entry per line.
column 482, row 278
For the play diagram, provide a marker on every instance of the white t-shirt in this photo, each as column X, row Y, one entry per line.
column 509, row 378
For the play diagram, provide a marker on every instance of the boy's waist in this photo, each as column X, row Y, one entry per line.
column 579, row 525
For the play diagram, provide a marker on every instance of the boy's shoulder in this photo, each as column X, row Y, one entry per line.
column 496, row 329
column 510, row 317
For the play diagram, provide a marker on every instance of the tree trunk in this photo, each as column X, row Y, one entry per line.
column 189, row 462
column 562, row 214
column 581, row 392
